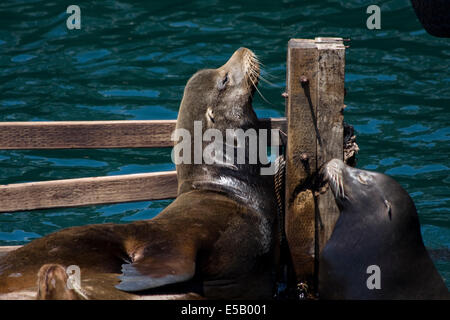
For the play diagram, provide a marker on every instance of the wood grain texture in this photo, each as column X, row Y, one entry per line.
column 96, row 134
column 315, row 136
column 330, row 107
column 86, row 134
column 88, row 191
column 301, row 114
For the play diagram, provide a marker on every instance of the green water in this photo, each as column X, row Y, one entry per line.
column 131, row 60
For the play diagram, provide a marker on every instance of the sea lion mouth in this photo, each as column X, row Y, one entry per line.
column 333, row 173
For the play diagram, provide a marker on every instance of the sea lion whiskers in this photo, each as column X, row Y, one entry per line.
column 256, row 69
column 252, row 68
column 259, row 92
column 265, row 71
column 333, row 173
column 268, row 74
column 268, row 82
column 254, row 72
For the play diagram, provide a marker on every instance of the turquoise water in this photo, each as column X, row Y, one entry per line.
column 131, row 60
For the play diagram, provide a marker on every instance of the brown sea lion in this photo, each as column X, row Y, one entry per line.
column 216, row 240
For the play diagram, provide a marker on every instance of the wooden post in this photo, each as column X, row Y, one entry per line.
column 330, row 125
column 315, row 87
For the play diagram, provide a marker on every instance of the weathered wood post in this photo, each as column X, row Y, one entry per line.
column 315, row 88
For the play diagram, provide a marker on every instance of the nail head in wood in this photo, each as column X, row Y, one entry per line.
column 304, row 157
column 304, row 81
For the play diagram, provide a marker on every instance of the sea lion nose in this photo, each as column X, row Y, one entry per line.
column 243, row 49
column 332, row 169
column 336, row 164
column 239, row 53
column 239, row 64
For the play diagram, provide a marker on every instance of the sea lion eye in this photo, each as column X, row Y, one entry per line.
column 210, row 114
column 363, row 179
column 223, row 82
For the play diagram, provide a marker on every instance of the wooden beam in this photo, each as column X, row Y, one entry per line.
column 301, row 113
column 86, row 134
column 330, row 124
column 315, row 87
column 88, row 191
column 5, row 249
column 97, row 134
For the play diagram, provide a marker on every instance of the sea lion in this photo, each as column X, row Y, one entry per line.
column 216, row 240
column 376, row 235
column 433, row 15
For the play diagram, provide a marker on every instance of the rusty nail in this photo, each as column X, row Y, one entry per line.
column 284, row 95
column 304, row 157
column 304, row 80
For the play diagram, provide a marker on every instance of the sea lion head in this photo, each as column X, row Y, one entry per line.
column 377, row 228
column 222, row 98
column 359, row 190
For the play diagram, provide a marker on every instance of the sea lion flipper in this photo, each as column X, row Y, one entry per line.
column 52, row 284
column 156, row 271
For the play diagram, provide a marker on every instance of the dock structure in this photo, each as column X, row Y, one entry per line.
column 314, row 112
column 314, row 127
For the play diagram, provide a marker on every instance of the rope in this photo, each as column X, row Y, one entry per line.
column 279, row 180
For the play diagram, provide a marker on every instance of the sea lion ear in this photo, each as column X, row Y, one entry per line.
column 210, row 115
column 389, row 208
column 155, row 270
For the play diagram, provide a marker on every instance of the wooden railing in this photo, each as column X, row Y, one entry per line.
column 92, row 134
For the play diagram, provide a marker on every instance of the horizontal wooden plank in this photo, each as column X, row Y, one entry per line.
column 96, row 134
column 5, row 249
column 88, row 191
column 86, row 134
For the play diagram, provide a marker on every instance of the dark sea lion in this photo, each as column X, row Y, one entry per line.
column 378, row 227
column 216, row 240
column 434, row 16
